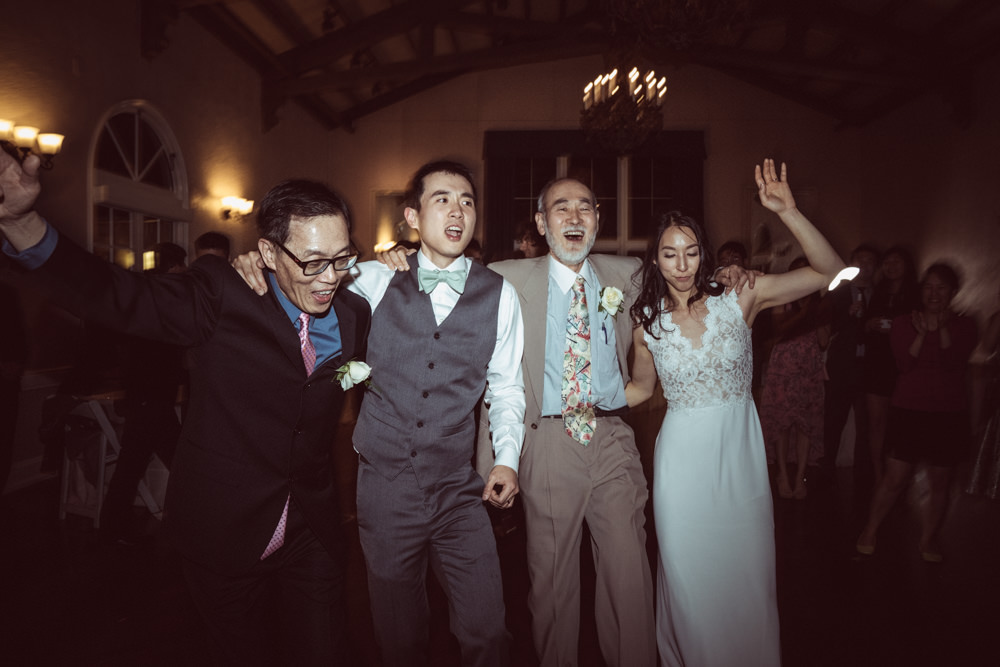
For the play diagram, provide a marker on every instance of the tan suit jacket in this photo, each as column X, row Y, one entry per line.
column 530, row 277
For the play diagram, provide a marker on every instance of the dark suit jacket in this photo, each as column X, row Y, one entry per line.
column 257, row 428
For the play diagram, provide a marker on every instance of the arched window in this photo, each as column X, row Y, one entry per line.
column 139, row 187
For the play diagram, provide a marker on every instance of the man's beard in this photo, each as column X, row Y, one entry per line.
column 562, row 254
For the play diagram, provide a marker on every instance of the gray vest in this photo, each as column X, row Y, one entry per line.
column 428, row 378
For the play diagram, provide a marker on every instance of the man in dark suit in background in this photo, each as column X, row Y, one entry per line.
column 152, row 374
column 251, row 504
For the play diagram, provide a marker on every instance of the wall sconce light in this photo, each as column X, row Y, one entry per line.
column 19, row 141
column 236, row 207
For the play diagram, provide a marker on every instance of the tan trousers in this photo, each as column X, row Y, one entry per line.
column 564, row 484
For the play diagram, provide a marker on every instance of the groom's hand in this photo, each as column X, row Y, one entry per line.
column 734, row 277
column 395, row 257
column 250, row 266
column 501, row 487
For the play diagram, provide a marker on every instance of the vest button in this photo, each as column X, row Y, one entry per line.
column 437, row 334
column 413, row 454
column 534, row 426
column 431, row 365
column 426, row 394
column 420, row 424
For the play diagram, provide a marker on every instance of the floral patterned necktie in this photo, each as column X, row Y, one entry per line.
column 577, row 405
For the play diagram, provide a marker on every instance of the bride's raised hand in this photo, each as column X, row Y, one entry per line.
column 772, row 187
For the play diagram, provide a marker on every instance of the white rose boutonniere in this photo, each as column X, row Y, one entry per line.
column 352, row 373
column 611, row 301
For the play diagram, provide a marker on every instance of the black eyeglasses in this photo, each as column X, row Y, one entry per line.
column 314, row 267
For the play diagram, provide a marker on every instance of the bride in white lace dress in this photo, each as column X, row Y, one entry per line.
column 716, row 602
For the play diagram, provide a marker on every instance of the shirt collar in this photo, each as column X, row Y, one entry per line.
column 565, row 276
column 460, row 264
column 290, row 308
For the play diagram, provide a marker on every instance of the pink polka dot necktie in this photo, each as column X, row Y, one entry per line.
column 309, row 360
column 577, row 403
column 306, row 345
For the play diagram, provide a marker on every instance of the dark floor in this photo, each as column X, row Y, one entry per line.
column 67, row 599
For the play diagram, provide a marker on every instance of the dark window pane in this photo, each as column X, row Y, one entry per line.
column 530, row 176
column 652, row 191
column 641, row 176
column 522, row 177
column 103, row 251
column 159, row 173
column 121, row 227
column 166, row 230
column 102, row 226
column 109, row 158
column 150, row 234
column 543, row 171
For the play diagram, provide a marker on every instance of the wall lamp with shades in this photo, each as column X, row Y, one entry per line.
column 236, row 207
column 19, row 141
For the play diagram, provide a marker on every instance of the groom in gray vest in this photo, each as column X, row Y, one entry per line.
column 443, row 334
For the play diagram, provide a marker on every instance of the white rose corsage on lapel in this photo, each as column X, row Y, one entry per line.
column 352, row 373
column 611, row 301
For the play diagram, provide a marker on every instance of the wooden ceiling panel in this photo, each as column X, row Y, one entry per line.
column 854, row 60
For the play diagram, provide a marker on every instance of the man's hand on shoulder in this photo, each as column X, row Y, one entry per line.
column 735, row 277
column 501, row 487
column 250, row 266
column 395, row 257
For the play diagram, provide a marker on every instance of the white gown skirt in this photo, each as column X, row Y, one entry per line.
column 716, row 603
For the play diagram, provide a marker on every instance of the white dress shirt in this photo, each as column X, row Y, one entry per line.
column 504, row 383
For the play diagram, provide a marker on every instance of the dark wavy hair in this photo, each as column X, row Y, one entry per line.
column 297, row 198
column 654, row 298
column 946, row 273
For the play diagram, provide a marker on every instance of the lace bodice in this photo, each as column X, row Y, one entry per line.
column 715, row 374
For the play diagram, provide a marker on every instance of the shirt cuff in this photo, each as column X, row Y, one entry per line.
column 33, row 257
column 506, row 456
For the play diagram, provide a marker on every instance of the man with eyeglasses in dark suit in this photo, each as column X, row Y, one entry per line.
column 251, row 502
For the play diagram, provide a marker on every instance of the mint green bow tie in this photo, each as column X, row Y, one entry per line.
column 429, row 278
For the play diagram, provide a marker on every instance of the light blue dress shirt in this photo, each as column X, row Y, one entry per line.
column 607, row 388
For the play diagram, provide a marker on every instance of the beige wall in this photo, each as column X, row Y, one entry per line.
column 914, row 176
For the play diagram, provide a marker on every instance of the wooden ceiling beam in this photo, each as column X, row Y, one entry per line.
column 483, row 59
column 818, row 104
column 397, row 94
column 782, row 66
column 230, row 31
column 371, row 30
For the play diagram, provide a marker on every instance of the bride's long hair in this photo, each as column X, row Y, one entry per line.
column 654, row 298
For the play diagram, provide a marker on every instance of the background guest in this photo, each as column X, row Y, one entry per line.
column 152, row 373
column 791, row 411
column 984, row 476
column 928, row 414
column 895, row 294
column 732, row 252
column 845, row 362
column 531, row 243
column 212, row 243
